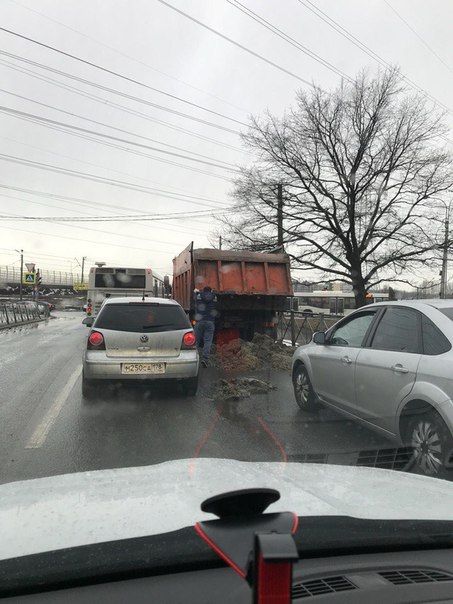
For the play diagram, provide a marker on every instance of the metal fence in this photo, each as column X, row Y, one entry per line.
column 11, row 274
column 18, row 313
column 298, row 327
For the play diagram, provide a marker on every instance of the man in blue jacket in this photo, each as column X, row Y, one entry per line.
column 205, row 314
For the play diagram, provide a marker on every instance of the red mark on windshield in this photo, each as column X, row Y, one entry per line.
column 203, row 440
column 273, row 437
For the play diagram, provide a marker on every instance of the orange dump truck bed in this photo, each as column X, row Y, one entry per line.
column 247, row 275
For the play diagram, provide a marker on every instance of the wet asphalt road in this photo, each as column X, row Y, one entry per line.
column 46, row 428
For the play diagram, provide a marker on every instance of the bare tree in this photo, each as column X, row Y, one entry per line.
column 361, row 168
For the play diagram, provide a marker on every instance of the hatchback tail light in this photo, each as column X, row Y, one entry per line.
column 189, row 340
column 96, row 341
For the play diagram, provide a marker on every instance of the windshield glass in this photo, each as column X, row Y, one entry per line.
column 225, row 262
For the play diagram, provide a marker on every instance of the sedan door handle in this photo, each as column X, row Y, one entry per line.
column 398, row 368
column 346, row 360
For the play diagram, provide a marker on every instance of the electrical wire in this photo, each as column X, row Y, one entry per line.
column 84, row 228
column 126, row 149
column 422, row 40
column 287, row 38
column 118, row 92
column 37, row 118
column 87, row 119
column 241, row 46
column 163, row 226
column 75, row 173
column 86, row 202
column 123, row 54
column 65, row 237
column 123, row 218
column 366, row 49
column 121, row 108
column 119, row 75
column 172, row 194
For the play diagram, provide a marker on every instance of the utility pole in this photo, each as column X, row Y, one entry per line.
column 21, row 252
column 83, row 266
column 280, row 215
column 443, row 272
column 220, row 242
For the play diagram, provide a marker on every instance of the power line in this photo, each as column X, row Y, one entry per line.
column 101, row 231
column 281, row 34
column 122, row 108
column 119, row 75
column 119, row 93
column 121, row 218
column 131, row 58
column 74, row 200
column 366, row 49
column 162, row 225
column 75, row 173
column 68, row 258
column 422, row 40
column 123, row 148
column 129, row 247
column 172, row 194
column 87, row 119
column 241, row 46
column 45, row 121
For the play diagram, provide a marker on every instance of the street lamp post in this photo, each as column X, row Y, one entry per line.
column 21, row 252
column 444, row 271
column 83, row 266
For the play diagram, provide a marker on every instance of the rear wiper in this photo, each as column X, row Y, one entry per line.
column 157, row 325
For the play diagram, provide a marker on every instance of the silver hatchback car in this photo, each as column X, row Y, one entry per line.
column 390, row 367
column 138, row 338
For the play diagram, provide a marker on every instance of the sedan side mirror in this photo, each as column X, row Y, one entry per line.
column 88, row 321
column 319, row 337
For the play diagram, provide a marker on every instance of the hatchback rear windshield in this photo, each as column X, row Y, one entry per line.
column 142, row 317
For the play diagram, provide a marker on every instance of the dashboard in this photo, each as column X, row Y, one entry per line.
column 390, row 577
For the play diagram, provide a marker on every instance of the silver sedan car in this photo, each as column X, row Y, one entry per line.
column 138, row 338
column 390, row 367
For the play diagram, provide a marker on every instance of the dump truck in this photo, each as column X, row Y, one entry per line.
column 251, row 288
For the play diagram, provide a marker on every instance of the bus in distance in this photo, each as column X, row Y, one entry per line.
column 332, row 302
column 106, row 282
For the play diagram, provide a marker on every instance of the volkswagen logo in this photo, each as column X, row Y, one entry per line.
column 144, row 338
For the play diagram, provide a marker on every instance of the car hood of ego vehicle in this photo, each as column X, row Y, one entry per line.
column 70, row 510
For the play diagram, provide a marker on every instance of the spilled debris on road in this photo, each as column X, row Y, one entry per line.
column 239, row 356
column 261, row 353
column 239, row 388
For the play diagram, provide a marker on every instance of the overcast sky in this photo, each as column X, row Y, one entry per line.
column 218, row 86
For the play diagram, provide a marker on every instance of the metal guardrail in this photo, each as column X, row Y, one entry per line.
column 20, row 313
column 299, row 327
column 11, row 274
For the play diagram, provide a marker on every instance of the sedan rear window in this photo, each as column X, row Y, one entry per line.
column 142, row 317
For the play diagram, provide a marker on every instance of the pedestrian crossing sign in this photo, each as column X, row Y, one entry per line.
column 30, row 278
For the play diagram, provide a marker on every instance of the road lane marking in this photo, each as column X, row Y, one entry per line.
column 39, row 436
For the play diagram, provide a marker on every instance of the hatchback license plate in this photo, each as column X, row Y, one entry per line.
column 143, row 368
